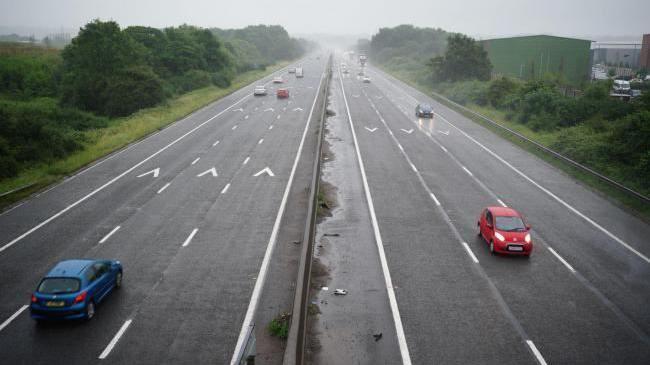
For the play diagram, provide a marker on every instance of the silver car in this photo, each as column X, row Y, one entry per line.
column 260, row 90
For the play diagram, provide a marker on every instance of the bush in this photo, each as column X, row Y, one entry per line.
column 499, row 90
column 192, row 79
column 132, row 89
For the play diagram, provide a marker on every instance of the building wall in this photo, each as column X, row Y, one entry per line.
column 617, row 56
column 644, row 60
column 532, row 57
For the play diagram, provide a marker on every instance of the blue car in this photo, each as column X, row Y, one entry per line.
column 73, row 288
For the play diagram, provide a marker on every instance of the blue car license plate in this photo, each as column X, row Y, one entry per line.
column 57, row 303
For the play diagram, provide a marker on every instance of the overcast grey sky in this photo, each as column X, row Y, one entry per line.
column 475, row 17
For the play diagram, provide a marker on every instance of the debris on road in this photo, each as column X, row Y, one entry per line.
column 378, row 336
column 331, row 235
column 340, row 292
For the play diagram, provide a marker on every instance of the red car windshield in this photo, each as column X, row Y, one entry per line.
column 510, row 224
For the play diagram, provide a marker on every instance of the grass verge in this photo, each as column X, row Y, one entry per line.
column 626, row 201
column 118, row 134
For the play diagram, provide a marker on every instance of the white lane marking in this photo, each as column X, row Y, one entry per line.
column 400, row 147
column 401, row 337
column 155, row 172
column 407, row 131
column 269, row 110
column 163, row 188
column 502, row 203
column 548, row 192
column 467, row 171
column 536, row 352
column 371, row 130
column 246, row 116
column 390, row 132
column 13, row 316
column 234, row 127
column 552, row 195
column 278, row 117
column 435, row 199
column 443, row 148
column 109, row 234
column 92, row 193
column 469, row 252
column 260, row 141
column 212, row 171
column 195, row 161
column 189, row 238
column 446, row 133
column 215, row 143
column 284, row 108
column 562, row 260
column 113, row 342
column 297, row 109
column 238, row 110
column 413, row 167
column 270, row 127
column 266, row 170
column 246, row 160
column 225, row 188
column 261, row 277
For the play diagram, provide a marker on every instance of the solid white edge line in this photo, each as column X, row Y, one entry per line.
column 225, row 188
column 502, row 203
column 467, row 171
column 469, row 252
column 109, row 234
column 116, row 338
column 196, row 160
column 401, row 337
column 435, row 199
column 548, row 192
column 261, row 276
column 189, row 238
column 536, row 352
column 246, row 160
column 13, row 316
column 413, row 167
column 92, row 193
column 562, row 260
column 163, row 188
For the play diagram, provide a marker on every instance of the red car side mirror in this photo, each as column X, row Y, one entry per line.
column 527, row 227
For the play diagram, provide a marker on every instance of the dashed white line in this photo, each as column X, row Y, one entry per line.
column 270, row 127
column 469, row 252
column 246, row 160
column 536, row 352
column 225, row 188
column 246, row 117
column 278, row 117
column 234, row 127
column 109, row 234
column 196, row 160
column 13, row 316
column 189, row 238
column 435, row 199
column 502, row 203
column 467, row 171
column 562, row 260
column 215, row 143
column 113, row 342
column 441, row 146
column 163, row 188
column 260, row 141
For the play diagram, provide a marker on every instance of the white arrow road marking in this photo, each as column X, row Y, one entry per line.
column 189, row 238
column 407, row 131
column 265, row 170
column 371, row 130
column 446, row 133
column 113, row 342
column 155, row 172
column 212, row 171
column 355, row 96
column 238, row 110
column 13, row 316
column 297, row 109
column 195, row 161
column 109, row 234
column 269, row 110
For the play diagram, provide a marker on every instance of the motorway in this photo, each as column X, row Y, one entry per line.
column 583, row 296
column 193, row 214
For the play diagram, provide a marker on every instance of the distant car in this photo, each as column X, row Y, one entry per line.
column 299, row 72
column 621, row 87
column 424, row 111
column 73, row 288
column 259, row 90
column 282, row 93
column 366, row 79
column 505, row 231
column 292, row 70
column 277, row 80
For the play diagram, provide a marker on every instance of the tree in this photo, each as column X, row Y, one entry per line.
column 465, row 59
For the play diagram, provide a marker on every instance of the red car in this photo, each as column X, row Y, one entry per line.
column 505, row 231
column 282, row 93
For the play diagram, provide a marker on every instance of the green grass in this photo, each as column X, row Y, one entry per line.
column 613, row 194
column 279, row 326
column 119, row 134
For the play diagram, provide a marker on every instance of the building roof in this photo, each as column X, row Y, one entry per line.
column 537, row 35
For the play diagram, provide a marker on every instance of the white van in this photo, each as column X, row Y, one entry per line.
column 299, row 72
column 621, row 87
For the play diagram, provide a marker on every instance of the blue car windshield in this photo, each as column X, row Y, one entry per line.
column 59, row 285
column 510, row 224
column 426, row 108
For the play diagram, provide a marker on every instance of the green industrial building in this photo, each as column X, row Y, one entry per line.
column 533, row 57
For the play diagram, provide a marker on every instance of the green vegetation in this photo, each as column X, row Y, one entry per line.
column 607, row 135
column 464, row 59
column 279, row 326
column 61, row 110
